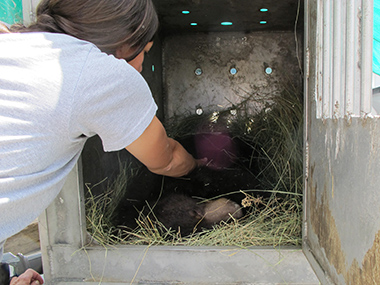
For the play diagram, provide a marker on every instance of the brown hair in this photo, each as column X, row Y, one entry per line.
column 108, row 24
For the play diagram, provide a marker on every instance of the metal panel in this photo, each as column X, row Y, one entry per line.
column 342, row 158
column 215, row 54
column 344, row 41
column 29, row 10
column 343, row 221
column 69, row 259
column 244, row 14
column 366, row 56
column 63, row 222
column 179, row 265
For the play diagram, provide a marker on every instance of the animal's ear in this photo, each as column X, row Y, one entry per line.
column 196, row 213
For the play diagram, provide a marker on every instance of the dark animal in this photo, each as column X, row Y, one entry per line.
column 182, row 213
column 219, row 210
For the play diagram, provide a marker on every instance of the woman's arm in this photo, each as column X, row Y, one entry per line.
column 161, row 154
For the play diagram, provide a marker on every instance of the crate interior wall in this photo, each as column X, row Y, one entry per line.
column 169, row 69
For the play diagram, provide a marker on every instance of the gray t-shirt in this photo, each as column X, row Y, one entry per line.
column 55, row 92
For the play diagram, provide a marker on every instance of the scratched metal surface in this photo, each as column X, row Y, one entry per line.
column 342, row 156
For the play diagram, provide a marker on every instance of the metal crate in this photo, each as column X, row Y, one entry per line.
column 341, row 157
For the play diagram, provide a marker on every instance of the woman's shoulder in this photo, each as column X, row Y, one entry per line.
column 44, row 39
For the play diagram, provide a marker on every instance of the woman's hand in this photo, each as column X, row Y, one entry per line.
column 202, row 162
column 29, row 277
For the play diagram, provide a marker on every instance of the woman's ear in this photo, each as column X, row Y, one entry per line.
column 121, row 51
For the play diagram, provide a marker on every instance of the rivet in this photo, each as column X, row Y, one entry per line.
column 233, row 71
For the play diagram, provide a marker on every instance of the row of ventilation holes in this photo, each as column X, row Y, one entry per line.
column 263, row 22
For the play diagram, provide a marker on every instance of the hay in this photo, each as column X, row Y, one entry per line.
column 277, row 222
column 271, row 126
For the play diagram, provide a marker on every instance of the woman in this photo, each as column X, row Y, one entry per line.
column 73, row 74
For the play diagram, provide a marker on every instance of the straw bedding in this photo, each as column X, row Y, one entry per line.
column 264, row 176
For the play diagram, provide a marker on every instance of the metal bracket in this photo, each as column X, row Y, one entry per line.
column 20, row 263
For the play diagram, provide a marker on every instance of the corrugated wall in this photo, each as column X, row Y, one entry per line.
column 342, row 149
column 344, row 42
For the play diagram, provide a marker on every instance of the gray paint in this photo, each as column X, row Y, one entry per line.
column 346, row 162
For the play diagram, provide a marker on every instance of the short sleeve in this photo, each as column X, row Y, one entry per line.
column 111, row 100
